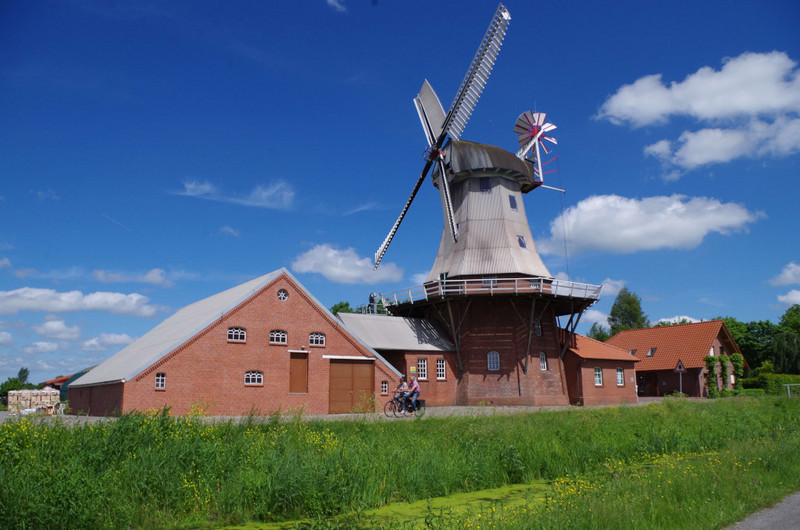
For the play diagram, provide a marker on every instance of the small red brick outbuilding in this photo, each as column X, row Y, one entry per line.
column 599, row 373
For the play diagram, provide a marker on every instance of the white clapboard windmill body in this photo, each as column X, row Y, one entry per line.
column 486, row 230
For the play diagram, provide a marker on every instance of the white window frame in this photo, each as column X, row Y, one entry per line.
column 278, row 336
column 620, row 377
column 422, row 368
column 384, row 387
column 237, row 334
column 542, row 361
column 489, row 280
column 254, row 378
column 161, row 380
column 493, row 361
column 441, row 369
column 598, row 376
column 316, row 338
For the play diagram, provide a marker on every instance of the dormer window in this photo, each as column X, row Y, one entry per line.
column 237, row 334
column 651, row 352
column 633, row 351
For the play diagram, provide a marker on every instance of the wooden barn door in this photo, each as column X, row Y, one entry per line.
column 351, row 382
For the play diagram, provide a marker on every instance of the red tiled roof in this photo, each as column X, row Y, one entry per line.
column 688, row 342
column 587, row 348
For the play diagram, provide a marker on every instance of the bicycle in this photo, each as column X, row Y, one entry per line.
column 400, row 406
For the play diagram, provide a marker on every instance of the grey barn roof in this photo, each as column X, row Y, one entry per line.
column 179, row 328
column 383, row 332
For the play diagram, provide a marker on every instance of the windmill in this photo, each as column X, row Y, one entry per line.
column 438, row 126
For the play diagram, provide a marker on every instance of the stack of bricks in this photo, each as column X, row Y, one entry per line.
column 28, row 400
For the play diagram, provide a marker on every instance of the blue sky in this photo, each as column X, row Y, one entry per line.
column 155, row 153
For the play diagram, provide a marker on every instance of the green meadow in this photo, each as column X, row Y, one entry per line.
column 676, row 464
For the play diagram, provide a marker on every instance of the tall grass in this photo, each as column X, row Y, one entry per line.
column 156, row 470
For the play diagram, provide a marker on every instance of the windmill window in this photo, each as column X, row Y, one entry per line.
column 253, row 377
column 620, row 377
column 598, row 376
column 542, row 361
column 278, row 336
column 493, row 361
column 237, row 334
column 521, row 241
column 512, row 201
column 441, row 369
column 161, row 381
column 537, row 328
column 316, row 339
column 651, row 352
column 489, row 280
column 486, row 185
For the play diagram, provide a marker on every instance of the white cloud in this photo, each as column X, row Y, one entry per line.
column 679, row 318
column 41, row 347
column 230, row 231
column 105, row 341
column 752, row 103
column 58, row 330
column 621, row 225
column 611, row 287
column 344, row 266
column 336, row 5
column 31, row 299
column 5, row 263
column 752, row 84
column 6, row 339
column 419, row 279
column 788, row 276
column 277, row 195
column 593, row 316
column 790, row 298
column 153, row 276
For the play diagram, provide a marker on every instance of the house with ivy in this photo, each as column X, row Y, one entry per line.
column 700, row 359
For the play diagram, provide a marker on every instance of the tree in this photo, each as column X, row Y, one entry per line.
column 16, row 383
column 341, row 307
column 626, row 313
column 785, row 349
column 790, row 321
column 753, row 338
column 598, row 332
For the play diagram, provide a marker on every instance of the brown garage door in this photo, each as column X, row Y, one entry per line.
column 350, row 386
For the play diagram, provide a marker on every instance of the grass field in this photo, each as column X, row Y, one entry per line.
column 677, row 464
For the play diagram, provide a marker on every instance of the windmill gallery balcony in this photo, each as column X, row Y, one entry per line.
column 492, row 286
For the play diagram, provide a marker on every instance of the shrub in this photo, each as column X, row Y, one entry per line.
column 753, row 392
column 773, row 383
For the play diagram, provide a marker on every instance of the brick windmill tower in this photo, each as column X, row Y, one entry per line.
column 488, row 287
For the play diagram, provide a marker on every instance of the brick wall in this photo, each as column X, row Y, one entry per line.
column 609, row 393
column 497, row 325
column 99, row 400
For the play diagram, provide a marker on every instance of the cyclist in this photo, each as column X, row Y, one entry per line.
column 413, row 391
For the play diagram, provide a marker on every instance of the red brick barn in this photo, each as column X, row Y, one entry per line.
column 598, row 373
column 416, row 347
column 262, row 346
column 660, row 348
